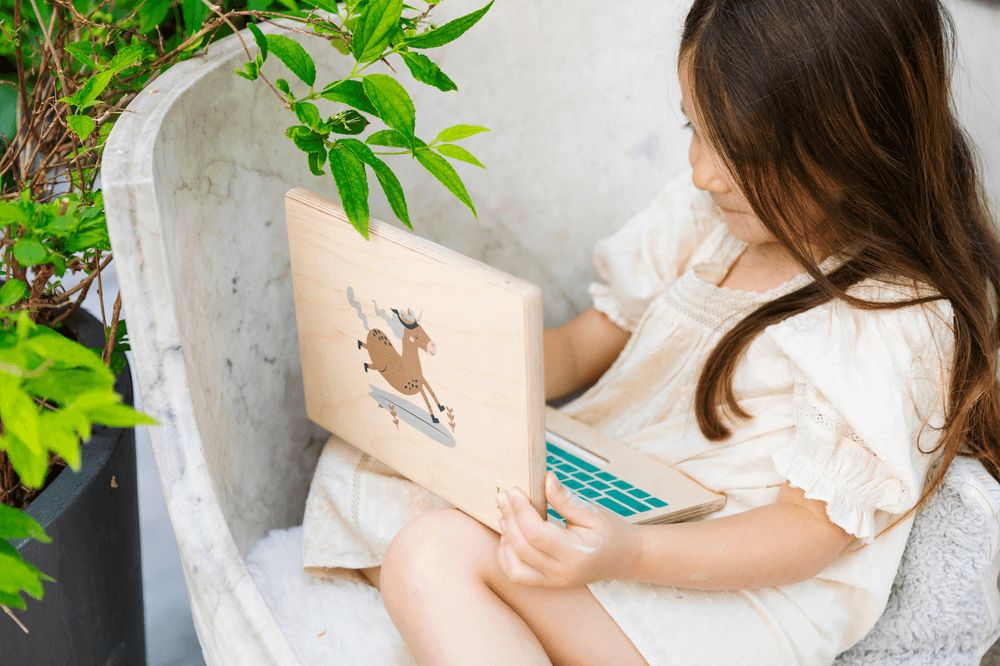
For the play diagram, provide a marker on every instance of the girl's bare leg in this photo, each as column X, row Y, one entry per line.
column 452, row 603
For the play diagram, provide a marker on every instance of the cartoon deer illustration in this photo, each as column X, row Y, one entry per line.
column 402, row 371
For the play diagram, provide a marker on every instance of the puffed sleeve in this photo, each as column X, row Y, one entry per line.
column 865, row 383
column 646, row 254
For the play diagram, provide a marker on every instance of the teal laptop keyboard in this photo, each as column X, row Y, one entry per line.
column 595, row 485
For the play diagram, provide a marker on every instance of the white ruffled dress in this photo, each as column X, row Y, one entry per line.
column 838, row 397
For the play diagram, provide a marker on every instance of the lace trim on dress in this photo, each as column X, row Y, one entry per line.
column 834, row 464
column 698, row 295
column 828, row 422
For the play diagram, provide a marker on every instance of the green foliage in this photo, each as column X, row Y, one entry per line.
column 444, row 172
column 351, row 93
column 425, row 71
column 371, row 33
column 52, row 391
column 57, row 231
column 386, row 178
column 349, row 175
column 458, row 153
column 392, row 102
column 456, row 132
column 291, row 53
column 448, row 32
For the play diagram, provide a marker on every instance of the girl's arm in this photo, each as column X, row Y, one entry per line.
column 577, row 353
column 788, row 541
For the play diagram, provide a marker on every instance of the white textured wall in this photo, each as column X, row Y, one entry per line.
column 977, row 83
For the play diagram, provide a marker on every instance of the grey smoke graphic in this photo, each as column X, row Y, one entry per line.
column 357, row 306
column 390, row 319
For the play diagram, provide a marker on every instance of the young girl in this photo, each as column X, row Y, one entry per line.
column 805, row 321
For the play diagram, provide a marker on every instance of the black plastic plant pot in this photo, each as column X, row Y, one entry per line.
column 93, row 613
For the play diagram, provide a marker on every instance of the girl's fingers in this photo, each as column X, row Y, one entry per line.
column 527, row 553
column 542, row 535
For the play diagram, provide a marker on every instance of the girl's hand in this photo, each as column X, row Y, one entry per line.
column 595, row 544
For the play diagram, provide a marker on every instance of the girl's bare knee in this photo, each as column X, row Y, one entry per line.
column 432, row 547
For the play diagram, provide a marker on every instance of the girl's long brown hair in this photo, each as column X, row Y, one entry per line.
column 841, row 111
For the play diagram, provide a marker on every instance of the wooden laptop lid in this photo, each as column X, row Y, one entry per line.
column 415, row 354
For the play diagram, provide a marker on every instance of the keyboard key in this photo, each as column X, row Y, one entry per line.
column 641, row 494
column 606, row 476
column 550, row 459
column 599, row 485
column 658, row 503
column 624, row 485
column 572, row 483
column 566, row 468
column 589, row 493
column 583, row 476
column 555, row 514
column 579, row 462
column 615, row 506
column 628, row 501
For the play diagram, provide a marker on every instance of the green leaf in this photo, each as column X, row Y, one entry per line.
column 194, row 12
column 83, row 52
column 12, row 212
column 30, row 465
column 391, row 138
column 87, row 94
column 119, row 416
column 347, row 122
column 337, row 42
column 12, row 600
column 456, row 132
column 445, row 173
column 282, row 85
column 8, row 113
column 126, row 57
column 307, row 114
column 17, row 574
column 392, row 102
column 250, row 71
column 349, row 92
column 258, row 37
column 305, row 139
column 425, row 71
column 294, row 56
column 316, row 161
column 12, row 291
column 61, row 438
column 152, row 13
column 28, row 252
column 386, row 178
column 63, row 226
column 458, row 153
column 82, row 126
column 66, row 353
column 63, row 385
column 371, row 34
column 448, row 32
column 20, row 415
column 352, row 185
column 16, row 524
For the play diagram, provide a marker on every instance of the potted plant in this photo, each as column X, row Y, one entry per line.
column 69, row 70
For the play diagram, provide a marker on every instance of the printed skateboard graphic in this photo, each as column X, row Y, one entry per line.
column 403, row 371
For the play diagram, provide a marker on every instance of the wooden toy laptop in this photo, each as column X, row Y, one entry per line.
column 431, row 362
